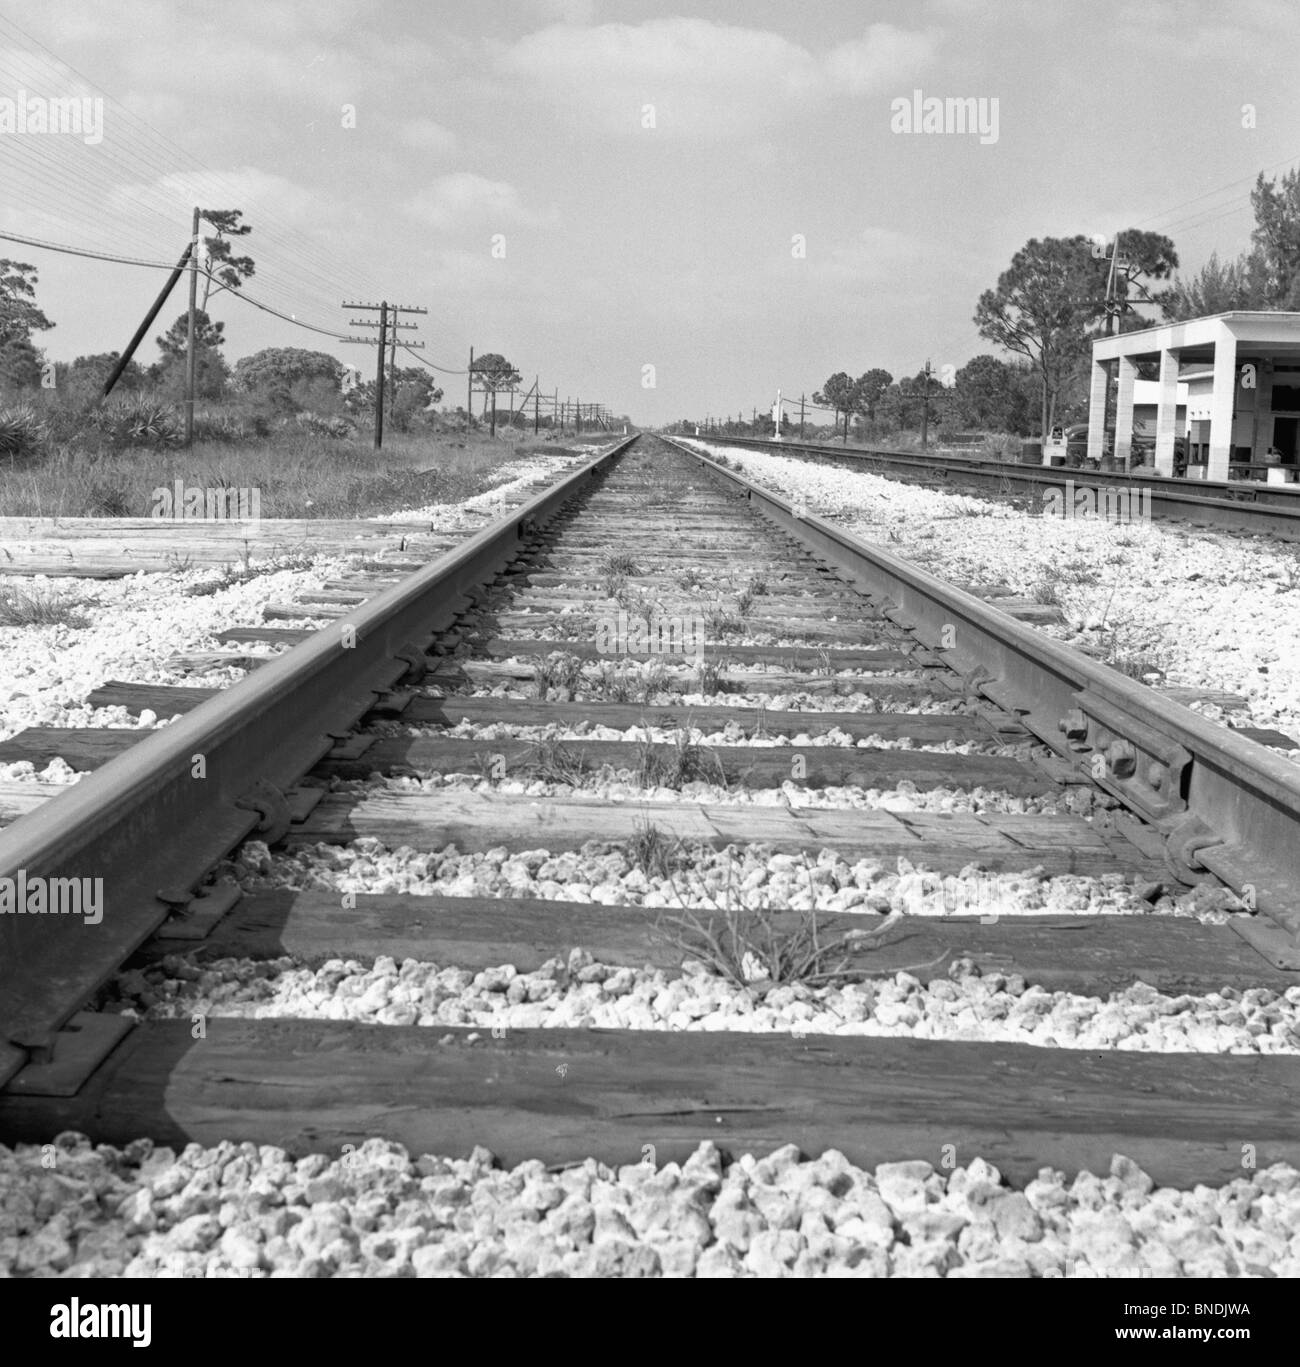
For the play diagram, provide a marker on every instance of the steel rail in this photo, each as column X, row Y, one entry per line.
column 1223, row 804
column 158, row 817
column 1268, row 509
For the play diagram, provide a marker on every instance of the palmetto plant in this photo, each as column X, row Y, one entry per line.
column 139, row 422
column 22, row 433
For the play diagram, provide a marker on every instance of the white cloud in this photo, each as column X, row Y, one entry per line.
column 1164, row 28
column 464, row 198
column 878, row 60
column 565, row 11
column 704, row 79
column 241, row 187
column 427, row 136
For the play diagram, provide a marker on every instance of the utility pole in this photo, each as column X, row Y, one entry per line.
column 1113, row 306
column 537, row 397
column 925, row 404
column 125, row 359
column 190, row 365
column 379, row 377
column 392, row 367
column 801, row 404
column 469, row 392
column 577, row 419
column 388, row 326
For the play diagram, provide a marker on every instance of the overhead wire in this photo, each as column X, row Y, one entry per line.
column 160, row 156
column 90, row 188
column 93, row 186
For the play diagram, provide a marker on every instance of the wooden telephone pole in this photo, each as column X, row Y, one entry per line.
column 190, row 365
column 388, row 326
column 925, row 404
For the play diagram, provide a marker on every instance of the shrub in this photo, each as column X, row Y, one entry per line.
column 104, row 499
column 22, row 433
column 138, row 422
column 222, row 427
column 323, row 427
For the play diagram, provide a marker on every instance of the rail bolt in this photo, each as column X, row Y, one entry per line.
column 1122, row 758
column 1155, row 776
column 1074, row 724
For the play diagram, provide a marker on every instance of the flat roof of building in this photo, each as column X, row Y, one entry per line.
column 1262, row 330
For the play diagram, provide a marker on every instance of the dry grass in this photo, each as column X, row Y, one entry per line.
column 719, row 623
column 685, row 761
column 709, row 674
column 557, row 673
column 760, row 948
column 41, row 606
column 629, row 682
column 557, row 761
column 619, row 565
column 655, row 853
column 615, row 587
column 297, row 475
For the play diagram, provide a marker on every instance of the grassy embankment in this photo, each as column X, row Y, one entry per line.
column 297, row 474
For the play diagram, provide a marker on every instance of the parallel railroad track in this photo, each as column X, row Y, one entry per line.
column 1173, row 799
column 1238, row 506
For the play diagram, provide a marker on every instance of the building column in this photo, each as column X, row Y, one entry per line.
column 1124, row 412
column 1223, row 401
column 1097, row 411
column 1264, row 408
column 1167, row 412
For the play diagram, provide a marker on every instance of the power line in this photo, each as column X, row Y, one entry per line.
column 1232, row 184
column 88, row 191
column 166, row 266
column 163, row 180
column 288, row 318
column 430, row 364
column 80, row 251
column 164, row 156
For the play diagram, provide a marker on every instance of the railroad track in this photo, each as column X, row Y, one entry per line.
column 810, row 637
column 1238, row 506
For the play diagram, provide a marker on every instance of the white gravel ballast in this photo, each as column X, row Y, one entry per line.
column 239, row 1210
column 580, row 993
column 133, row 624
column 1208, row 610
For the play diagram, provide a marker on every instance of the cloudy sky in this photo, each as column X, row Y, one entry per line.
column 674, row 210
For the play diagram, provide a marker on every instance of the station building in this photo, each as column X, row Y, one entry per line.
column 1239, row 376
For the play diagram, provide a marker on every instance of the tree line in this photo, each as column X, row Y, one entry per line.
column 282, row 381
column 1054, row 300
